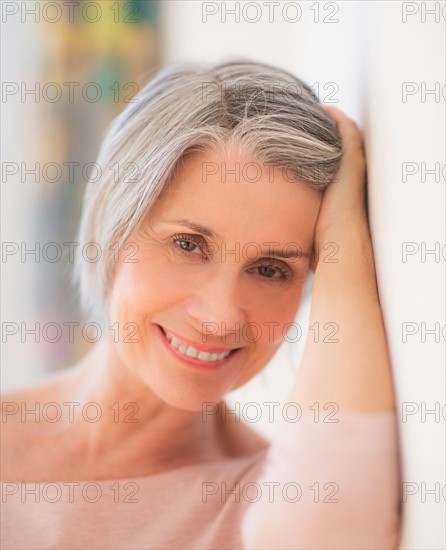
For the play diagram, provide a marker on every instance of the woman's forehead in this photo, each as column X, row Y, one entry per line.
column 231, row 206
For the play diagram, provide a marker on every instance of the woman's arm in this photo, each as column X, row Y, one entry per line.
column 345, row 465
column 353, row 372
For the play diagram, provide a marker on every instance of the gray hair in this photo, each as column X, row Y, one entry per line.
column 265, row 112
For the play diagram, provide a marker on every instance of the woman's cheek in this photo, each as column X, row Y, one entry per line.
column 274, row 315
column 149, row 286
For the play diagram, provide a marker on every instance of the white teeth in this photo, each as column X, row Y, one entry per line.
column 190, row 351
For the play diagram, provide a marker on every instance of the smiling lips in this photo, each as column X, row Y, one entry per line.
column 196, row 352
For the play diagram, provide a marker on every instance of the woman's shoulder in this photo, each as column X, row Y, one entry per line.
column 23, row 428
column 24, row 406
column 16, row 440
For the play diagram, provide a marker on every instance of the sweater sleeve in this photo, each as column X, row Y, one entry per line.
column 329, row 485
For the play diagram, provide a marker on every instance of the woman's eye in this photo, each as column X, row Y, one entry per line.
column 187, row 244
column 273, row 272
column 268, row 271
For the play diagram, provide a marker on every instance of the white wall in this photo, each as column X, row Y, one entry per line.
column 20, row 362
column 411, row 130
column 365, row 58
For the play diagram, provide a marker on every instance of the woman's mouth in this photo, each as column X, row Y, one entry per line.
column 194, row 356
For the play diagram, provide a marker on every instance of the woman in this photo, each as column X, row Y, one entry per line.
column 218, row 195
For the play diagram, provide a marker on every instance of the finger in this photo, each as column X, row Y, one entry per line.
column 352, row 142
column 351, row 134
column 352, row 169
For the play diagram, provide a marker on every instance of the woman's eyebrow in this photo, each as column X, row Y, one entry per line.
column 198, row 227
column 295, row 252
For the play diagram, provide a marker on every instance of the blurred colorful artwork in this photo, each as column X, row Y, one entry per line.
column 94, row 59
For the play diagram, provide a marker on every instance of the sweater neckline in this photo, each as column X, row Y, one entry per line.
column 166, row 473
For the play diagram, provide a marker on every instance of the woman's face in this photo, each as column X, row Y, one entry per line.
column 220, row 286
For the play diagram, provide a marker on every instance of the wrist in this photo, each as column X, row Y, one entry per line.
column 344, row 245
column 346, row 222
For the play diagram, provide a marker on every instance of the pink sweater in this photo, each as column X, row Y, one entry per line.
column 317, row 486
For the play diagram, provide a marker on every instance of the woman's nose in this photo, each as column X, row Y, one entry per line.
column 217, row 308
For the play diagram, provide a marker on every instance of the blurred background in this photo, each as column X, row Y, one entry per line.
column 68, row 68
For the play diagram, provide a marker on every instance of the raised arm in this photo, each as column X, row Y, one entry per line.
column 345, row 464
column 353, row 371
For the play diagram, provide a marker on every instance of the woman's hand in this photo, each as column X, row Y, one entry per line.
column 343, row 210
